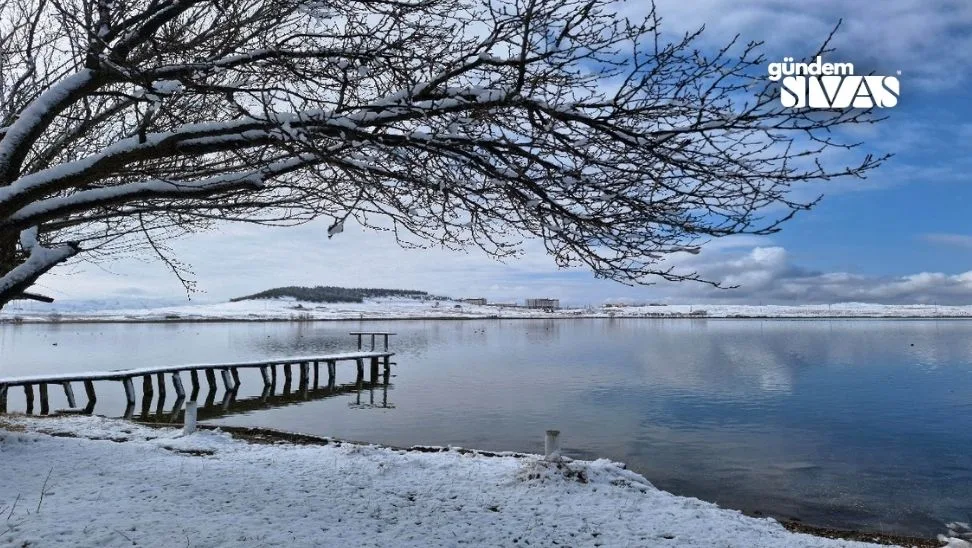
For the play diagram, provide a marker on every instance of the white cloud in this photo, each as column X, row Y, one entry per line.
column 244, row 259
column 767, row 275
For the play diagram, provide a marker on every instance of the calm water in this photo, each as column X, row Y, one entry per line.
column 855, row 424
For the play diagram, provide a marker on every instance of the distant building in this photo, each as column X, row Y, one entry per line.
column 543, row 303
column 478, row 300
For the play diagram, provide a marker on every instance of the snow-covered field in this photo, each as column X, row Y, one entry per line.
column 384, row 309
column 159, row 488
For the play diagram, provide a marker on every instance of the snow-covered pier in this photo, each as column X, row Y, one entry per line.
column 228, row 371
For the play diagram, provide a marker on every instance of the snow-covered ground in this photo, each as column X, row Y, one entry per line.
column 159, row 488
column 398, row 308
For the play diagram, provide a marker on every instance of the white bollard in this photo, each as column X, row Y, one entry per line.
column 189, row 425
column 551, row 446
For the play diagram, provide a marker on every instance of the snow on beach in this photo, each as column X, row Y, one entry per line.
column 404, row 308
column 158, row 487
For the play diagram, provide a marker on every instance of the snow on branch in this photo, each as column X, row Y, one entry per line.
column 51, row 208
column 39, row 260
column 16, row 140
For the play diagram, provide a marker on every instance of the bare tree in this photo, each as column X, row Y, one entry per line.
column 457, row 122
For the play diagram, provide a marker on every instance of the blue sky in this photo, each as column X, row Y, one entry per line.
column 904, row 235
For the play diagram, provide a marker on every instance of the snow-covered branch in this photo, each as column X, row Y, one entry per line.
column 53, row 208
column 33, row 120
column 39, row 261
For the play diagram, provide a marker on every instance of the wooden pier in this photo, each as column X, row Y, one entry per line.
column 229, row 373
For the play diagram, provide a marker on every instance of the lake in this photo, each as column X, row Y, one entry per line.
column 850, row 424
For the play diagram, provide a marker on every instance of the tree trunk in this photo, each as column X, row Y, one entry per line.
column 8, row 260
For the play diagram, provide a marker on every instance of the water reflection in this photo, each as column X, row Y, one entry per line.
column 269, row 398
column 861, row 424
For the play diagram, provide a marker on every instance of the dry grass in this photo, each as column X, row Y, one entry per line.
column 5, row 424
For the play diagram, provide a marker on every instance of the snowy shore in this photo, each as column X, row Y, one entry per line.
column 105, row 482
column 405, row 309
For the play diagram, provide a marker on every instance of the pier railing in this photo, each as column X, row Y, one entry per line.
column 373, row 334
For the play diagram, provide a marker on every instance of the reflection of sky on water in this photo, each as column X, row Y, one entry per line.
column 846, row 423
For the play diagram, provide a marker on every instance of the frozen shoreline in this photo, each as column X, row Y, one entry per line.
column 407, row 309
column 209, row 489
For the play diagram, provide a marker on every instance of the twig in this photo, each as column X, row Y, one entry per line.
column 44, row 490
column 12, row 508
column 126, row 536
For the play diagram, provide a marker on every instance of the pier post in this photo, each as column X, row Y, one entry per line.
column 227, row 400
column 130, row 391
column 147, row 392
column 147, row 387
column 69, row 394
column 304, row 375
column 374, row 370
column 176, row 408
column 45, row 405
column 177, row 383
column 236, row 377
column 331, row 372
column 227, row 380
column 194, row 378
column 161, row 378
column 211, row 379
column 160, row 405
column 146, row 406
column 360, row 364
column 147, row 402
column 387, row 363
column 3, row 398
column 265, row 373
column 29, row 394
column 551, row 446
column 317, row 371
column 92, row 398
column 288, row 375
